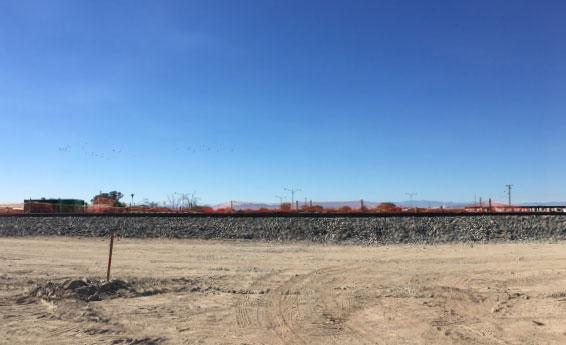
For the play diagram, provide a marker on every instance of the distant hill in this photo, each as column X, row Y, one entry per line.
column 547, row 203
column 243, row 205
column 355, row 204
column 14, row 205
column 326, row 204
column 431, row 204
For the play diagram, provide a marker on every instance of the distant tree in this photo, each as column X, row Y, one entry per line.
column 388, row 207
column 147, row 203
column 316, row 208
column 172, row 200
column 202, row 209
column 285, row 207
column 193, row 201
column 184, row 200
column 114, row 196
column 313, row 208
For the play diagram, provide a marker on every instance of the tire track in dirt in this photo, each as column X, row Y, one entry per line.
column 249, row 306
column 25, row 316
column 304, row 307
column 436, row 313
column 55, row 324
column 464, row 314
column 471, row 315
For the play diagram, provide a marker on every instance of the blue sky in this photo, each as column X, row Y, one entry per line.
column 239, row 99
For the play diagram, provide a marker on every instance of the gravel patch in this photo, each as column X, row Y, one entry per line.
column 358, row 230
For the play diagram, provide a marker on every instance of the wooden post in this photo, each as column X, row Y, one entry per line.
column 110, row 257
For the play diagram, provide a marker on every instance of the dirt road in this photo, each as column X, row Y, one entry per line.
column 204, row 292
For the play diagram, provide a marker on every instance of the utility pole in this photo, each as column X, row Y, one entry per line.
column 509, row 192
column 132, row 203
column 293, row 191
column 411, row 195
column 281, row 198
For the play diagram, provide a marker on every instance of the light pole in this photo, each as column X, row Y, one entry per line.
column 293, row 191
column 132, row 203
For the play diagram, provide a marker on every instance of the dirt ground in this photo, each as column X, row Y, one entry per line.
column 211, row 292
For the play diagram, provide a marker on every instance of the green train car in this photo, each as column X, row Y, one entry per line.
column 54, row 206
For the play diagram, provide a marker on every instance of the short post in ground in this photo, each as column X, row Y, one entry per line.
column 110, row 257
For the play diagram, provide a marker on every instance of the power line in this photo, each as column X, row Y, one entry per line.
column 509, row 193
column 281, row 198
column 293, row 191
column 411, row 195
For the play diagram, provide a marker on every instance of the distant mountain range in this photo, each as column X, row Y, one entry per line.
column 12, row 205
column 548, row 203
column 355, row 204
column 371, row 204
column 352, row 204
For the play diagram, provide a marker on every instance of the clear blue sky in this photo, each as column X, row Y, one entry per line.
column 238, row 99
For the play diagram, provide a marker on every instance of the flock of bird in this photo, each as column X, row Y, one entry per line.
column 114, row 152
column 205, row 148
column 83, row 149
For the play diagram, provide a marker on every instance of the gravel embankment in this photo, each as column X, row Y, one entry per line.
column 320, row 229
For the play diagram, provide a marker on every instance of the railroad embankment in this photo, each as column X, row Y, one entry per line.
column 360, row 230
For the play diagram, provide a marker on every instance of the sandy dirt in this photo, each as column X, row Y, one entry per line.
column 210, row 292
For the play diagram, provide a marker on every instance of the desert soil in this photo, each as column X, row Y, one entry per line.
column 213, row 292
